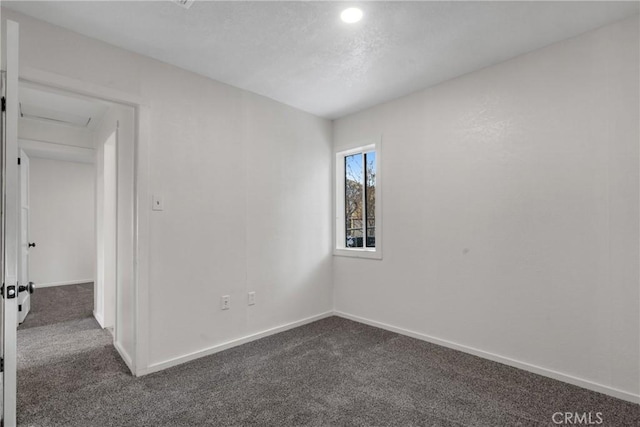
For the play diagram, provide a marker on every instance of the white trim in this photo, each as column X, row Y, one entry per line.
column 11, row 219
column 98, row 318
column 339, row 248
column 68, row 282
column 142, row 225
column 125, row 356
column 580, row 382
column 155, row 367
column 55, row 151
column 358, row 252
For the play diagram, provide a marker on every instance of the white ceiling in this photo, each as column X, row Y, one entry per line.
column 302, row 54
column 55, row 108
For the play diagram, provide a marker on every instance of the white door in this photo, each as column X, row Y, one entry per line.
column 10, row 221
column 25, row 287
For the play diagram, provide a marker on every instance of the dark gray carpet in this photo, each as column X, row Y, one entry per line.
column 331, row 372
column 59, row 304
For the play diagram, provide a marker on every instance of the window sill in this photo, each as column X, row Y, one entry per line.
column 358, row 253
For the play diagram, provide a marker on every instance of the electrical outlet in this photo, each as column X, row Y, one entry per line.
column 225, row 302
column 251, row 300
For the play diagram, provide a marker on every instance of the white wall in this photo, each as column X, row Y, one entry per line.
column 106, row 211
column 246, row 184
column 62, row 222
column 247, row 189
column 511, row 211
column 115, row 152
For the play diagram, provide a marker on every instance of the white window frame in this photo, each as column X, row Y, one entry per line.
column 339, row 246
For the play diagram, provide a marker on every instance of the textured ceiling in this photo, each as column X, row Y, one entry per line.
column 302, row 54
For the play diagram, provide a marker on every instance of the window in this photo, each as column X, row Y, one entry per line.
column 358, row 219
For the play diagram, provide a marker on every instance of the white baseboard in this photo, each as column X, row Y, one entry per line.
column 99, row 319
column 70, row 282
column 155, row 367
column 620, row 394
column 125, row 356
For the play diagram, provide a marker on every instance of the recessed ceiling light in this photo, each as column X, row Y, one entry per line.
column 184, row 3
column 351, row 15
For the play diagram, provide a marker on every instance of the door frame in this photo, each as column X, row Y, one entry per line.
column 141, row 214
column 106, row 228
column 24, row 238
column 10, row 222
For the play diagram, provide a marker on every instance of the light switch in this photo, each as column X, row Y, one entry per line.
column 158, row 203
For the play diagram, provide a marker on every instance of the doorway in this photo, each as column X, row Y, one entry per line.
column 57, row 231
column 71, row 210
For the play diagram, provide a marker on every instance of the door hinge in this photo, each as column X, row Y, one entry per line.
column 1, row 364
column 4, row 104
column 19, row 307
column 19, row 161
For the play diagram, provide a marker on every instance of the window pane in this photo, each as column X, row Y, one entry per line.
column 370, row 198
column 353, row 200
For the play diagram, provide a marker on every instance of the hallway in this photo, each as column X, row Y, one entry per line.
column 59, row 304
column 64, row 358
